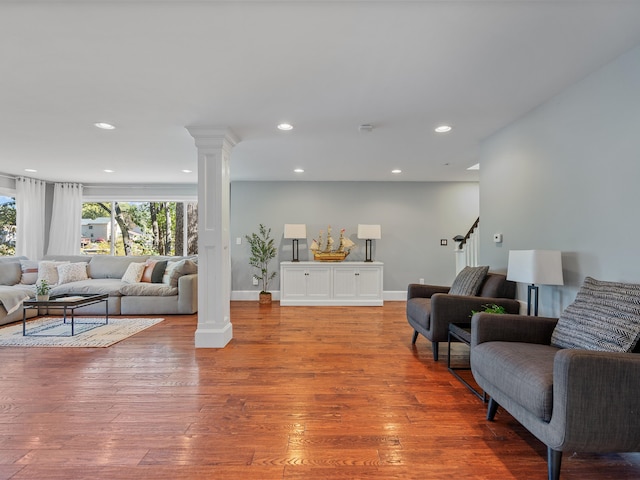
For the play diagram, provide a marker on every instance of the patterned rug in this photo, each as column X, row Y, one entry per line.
column 89, row 332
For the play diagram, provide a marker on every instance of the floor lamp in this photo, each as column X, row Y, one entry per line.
column 535, row 267
column 295, row 231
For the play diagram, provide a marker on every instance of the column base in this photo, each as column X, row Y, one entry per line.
column 213, row 337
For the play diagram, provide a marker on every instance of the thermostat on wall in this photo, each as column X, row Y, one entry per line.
column 497, row 237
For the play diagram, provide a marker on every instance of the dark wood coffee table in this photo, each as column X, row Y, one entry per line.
column 65, row 303
column 462, row 333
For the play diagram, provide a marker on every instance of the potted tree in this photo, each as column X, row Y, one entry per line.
column 262, row 252
column 42, row 290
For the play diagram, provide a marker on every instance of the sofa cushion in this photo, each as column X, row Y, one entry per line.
column 108, row 266
column 10, row 272
column 146, row 289
column 99, row 286
column 468, row 281
column 419, row 310
column 72, row 272
column 523, row 371
column 605, row 316
column 48, row 270
column 29, row 272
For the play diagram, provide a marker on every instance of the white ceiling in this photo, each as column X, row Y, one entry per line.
column 154, row 67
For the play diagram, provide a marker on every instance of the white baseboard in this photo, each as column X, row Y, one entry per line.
column 244, row 295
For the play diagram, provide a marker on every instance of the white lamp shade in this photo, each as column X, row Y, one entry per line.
column 295, row 230
column 369, row 232
column 542, row 267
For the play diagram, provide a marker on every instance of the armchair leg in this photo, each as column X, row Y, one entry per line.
column 415, row 337
column 554, row 460
column 434, row 347
column 492, row 409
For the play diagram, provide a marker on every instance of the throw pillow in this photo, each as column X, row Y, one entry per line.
column 177, row 269
column 604, row 316
column 29, row 272
column 72, row 272
column 10, row 272
column 134, row 272
column 48, row 270
column 149, row 265
column 468, row 281
column 158, row 271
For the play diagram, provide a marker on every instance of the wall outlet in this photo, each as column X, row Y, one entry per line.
column 238, row 240
column 421, row 281
column 255, row 281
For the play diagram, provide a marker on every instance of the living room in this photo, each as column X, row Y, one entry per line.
column 560, row 175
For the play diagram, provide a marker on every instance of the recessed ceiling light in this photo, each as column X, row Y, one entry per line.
column 104, row 126
column 30, row 170
column 299, row 170
column 285, row 126
column 106, row 170
column 474, row 167
column 187, row 171
column 443, row 128
column 396, row 171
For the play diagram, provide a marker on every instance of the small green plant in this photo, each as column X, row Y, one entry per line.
column 490, row 308
column 262, row 252
column 42, row 287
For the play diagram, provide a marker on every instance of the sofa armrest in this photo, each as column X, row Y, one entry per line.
column 424, row 291
column 491, row 327
column 447, row 309
column 188, row 293
column 602, row 387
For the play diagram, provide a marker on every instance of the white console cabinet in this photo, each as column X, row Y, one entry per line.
column 327, row 283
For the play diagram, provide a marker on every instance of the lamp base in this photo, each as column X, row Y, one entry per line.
column 367, row 250
column 532, row 290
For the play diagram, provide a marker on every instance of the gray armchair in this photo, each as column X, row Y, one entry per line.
column 430, row 308
column 570, row 399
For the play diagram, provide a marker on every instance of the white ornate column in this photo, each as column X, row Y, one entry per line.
column 214, row 262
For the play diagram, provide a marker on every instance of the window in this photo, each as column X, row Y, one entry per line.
column 7, row 226
column 140, row 228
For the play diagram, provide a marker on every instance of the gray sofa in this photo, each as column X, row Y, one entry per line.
column 553, row 376
column 430, row 308
column 105, row 277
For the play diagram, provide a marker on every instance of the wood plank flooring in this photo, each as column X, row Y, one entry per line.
column 299, row 393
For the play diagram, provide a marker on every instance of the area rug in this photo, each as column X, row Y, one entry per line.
column 51, row 332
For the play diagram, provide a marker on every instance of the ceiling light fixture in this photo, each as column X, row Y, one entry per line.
column 104, row 126
column 186, row 171
column 365, row 127
column 285, row 126
column 106, row 170
column 474, row 167
column 396, row 171
column 299, row 170
column 443, row 128
column 30, row 170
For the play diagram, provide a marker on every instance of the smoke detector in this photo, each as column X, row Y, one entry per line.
column 365, row 127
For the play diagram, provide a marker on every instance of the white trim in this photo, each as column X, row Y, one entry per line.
column 246, row 295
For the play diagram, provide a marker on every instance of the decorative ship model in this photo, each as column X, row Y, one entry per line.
column 328, row 253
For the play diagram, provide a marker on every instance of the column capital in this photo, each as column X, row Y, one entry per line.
column 208, row 137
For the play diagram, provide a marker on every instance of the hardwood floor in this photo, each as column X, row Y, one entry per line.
column 299, row 393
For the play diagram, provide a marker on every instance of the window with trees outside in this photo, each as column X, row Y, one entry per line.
column 139, row 228
column 7, row 226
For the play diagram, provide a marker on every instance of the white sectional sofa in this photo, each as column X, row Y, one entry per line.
column 175, row 291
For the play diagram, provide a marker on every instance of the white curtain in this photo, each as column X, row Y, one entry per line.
column 30, row 194
column 66, row 219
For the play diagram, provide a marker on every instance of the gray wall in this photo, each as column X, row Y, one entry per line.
column 565, row 177
column 414, row 216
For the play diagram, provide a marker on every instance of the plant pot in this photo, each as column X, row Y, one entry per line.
column 265, row 298
column 42, row 298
